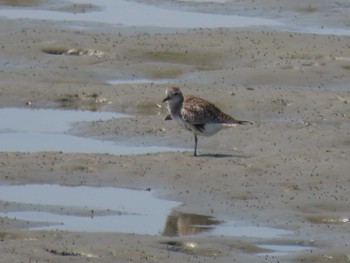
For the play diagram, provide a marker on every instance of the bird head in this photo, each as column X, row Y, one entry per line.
column 173, row 95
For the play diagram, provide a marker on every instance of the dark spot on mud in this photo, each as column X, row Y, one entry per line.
column 72, row 51
column 63, row 253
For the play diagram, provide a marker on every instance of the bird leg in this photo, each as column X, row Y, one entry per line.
column 195, row 145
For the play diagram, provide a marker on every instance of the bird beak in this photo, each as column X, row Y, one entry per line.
column 168, row 118
column 166, row 99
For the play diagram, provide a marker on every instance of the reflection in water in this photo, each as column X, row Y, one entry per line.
column 181, row 224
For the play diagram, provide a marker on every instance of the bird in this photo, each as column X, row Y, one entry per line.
column 197, row 115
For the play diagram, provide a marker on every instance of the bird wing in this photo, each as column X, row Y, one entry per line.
column 199, row 111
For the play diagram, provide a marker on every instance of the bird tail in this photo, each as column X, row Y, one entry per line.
column 243, row 122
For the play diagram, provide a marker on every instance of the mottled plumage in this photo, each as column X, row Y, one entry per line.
column 198, row 111
column 197, row 115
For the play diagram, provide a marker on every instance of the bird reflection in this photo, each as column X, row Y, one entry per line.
column 181, row 224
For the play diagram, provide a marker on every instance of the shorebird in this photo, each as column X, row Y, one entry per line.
column 197, row 115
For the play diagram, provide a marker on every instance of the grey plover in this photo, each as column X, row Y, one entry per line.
column 197, row 115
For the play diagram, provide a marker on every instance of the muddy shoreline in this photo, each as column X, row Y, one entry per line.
column 289, row 170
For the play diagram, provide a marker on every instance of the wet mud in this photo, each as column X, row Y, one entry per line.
column 276, row 191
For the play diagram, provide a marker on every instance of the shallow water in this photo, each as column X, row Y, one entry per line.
column 128, row 211
column 137, row 14
column 28, row 130
column 139, row 81
column 182, row 224
column 47, row 120
column 282, row 249
column 141, row 15
column 109, row 209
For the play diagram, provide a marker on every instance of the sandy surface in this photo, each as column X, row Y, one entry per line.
column 288, row 170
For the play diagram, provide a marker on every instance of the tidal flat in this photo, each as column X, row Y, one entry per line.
column 287, row 173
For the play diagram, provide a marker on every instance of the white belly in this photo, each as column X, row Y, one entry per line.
column 209, row 128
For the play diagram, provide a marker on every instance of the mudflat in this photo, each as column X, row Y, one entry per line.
column 288, row 170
